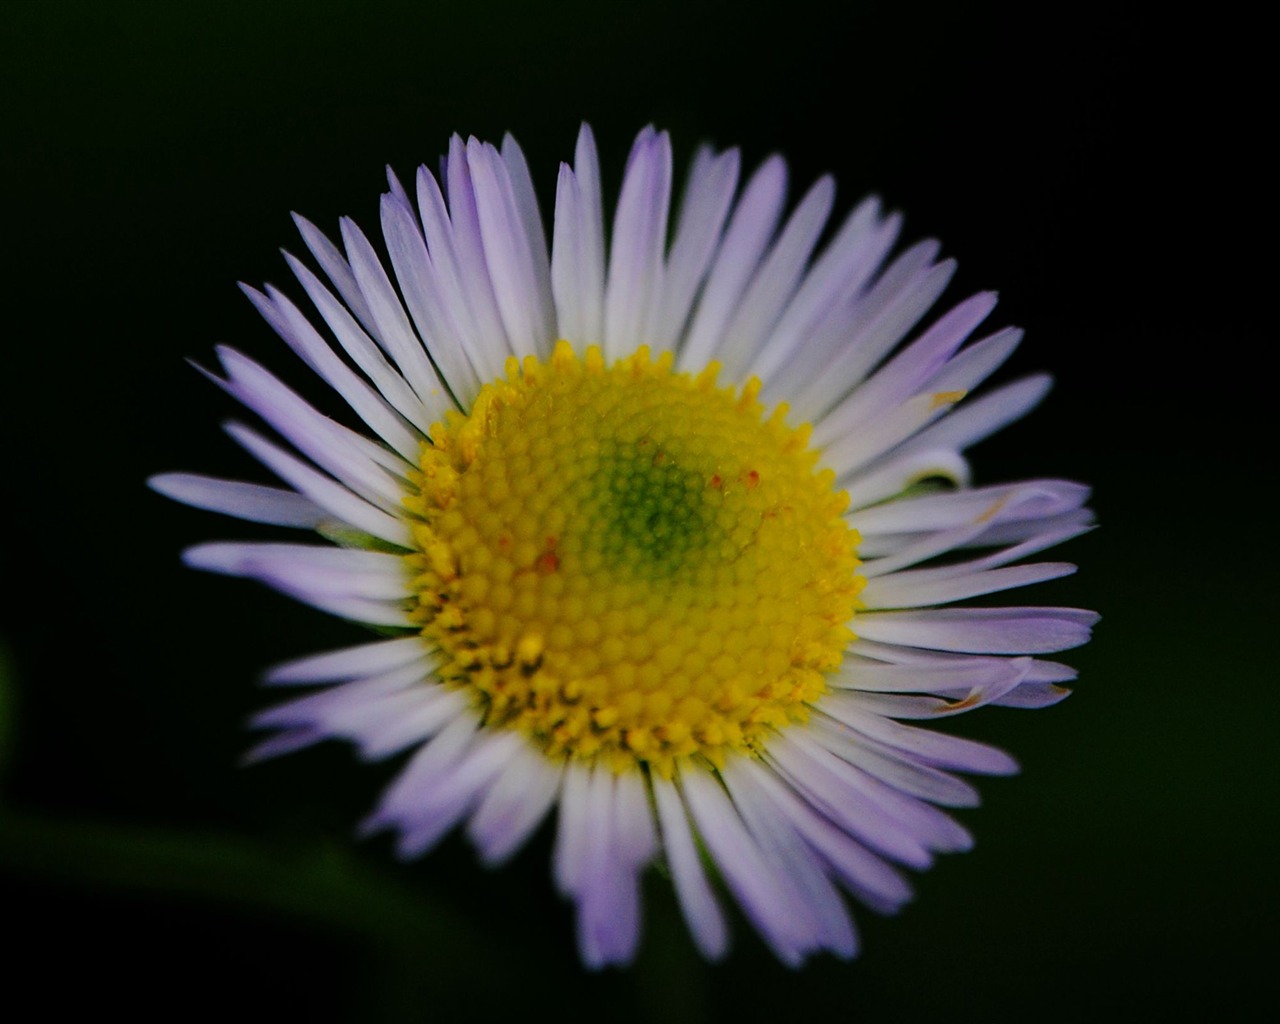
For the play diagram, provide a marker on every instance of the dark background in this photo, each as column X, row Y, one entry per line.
column 1102, row 165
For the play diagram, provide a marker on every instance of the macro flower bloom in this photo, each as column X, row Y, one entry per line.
column 668, row 537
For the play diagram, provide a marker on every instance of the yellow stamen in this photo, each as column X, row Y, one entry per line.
column 629, row 564
column 944, row 398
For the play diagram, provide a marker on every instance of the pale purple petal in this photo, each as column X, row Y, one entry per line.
column 514, row 806
column 836, row 278
column 864, row 873
column 929, row 587
column 325, row 492
column 253, row 502
column 357, row 344
column 445, row 339
column 468, row 247
column 639, row 238
column 703, row 209
column 776, row 280
column 368, row 404
column 336, row 268
column 983, row 416
column 514, row 267
column 750, row 229
column 896, row 474
column 906, row 373
column 392, row 328
column 765, row 895
column 328, row 444
column 828, row 923
column 349, row 662
column 982, row 630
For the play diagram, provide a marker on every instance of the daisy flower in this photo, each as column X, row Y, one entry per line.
column 664, row 537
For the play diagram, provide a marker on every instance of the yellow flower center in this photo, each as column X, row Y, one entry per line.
column 628, row 564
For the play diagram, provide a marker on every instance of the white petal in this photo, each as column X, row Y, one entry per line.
column 586, row 166
column 568, row 272
column 1040, row 688
column 526, row 201
column 571, row 831
column 282, row 743
column 473, row 269
column 853, row 451
column 432, row 708
column 398, row 191
column 1019, row 531
column 977, row 362
column 1049, row 672
column 1034, row 695
column 1017, row 504
column 904, row 291
column 608, row 893
column 402, row 805
column 955, row 674
column 637, row 835
column 359, row 597
column 330, row 710
column 350, row 708
column 918, row 707
column 701, row 910
column 929, row 826
column 443, row 803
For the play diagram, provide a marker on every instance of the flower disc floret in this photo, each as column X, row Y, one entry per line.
column 629, row 564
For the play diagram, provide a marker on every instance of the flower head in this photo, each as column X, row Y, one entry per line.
column 669, row 540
